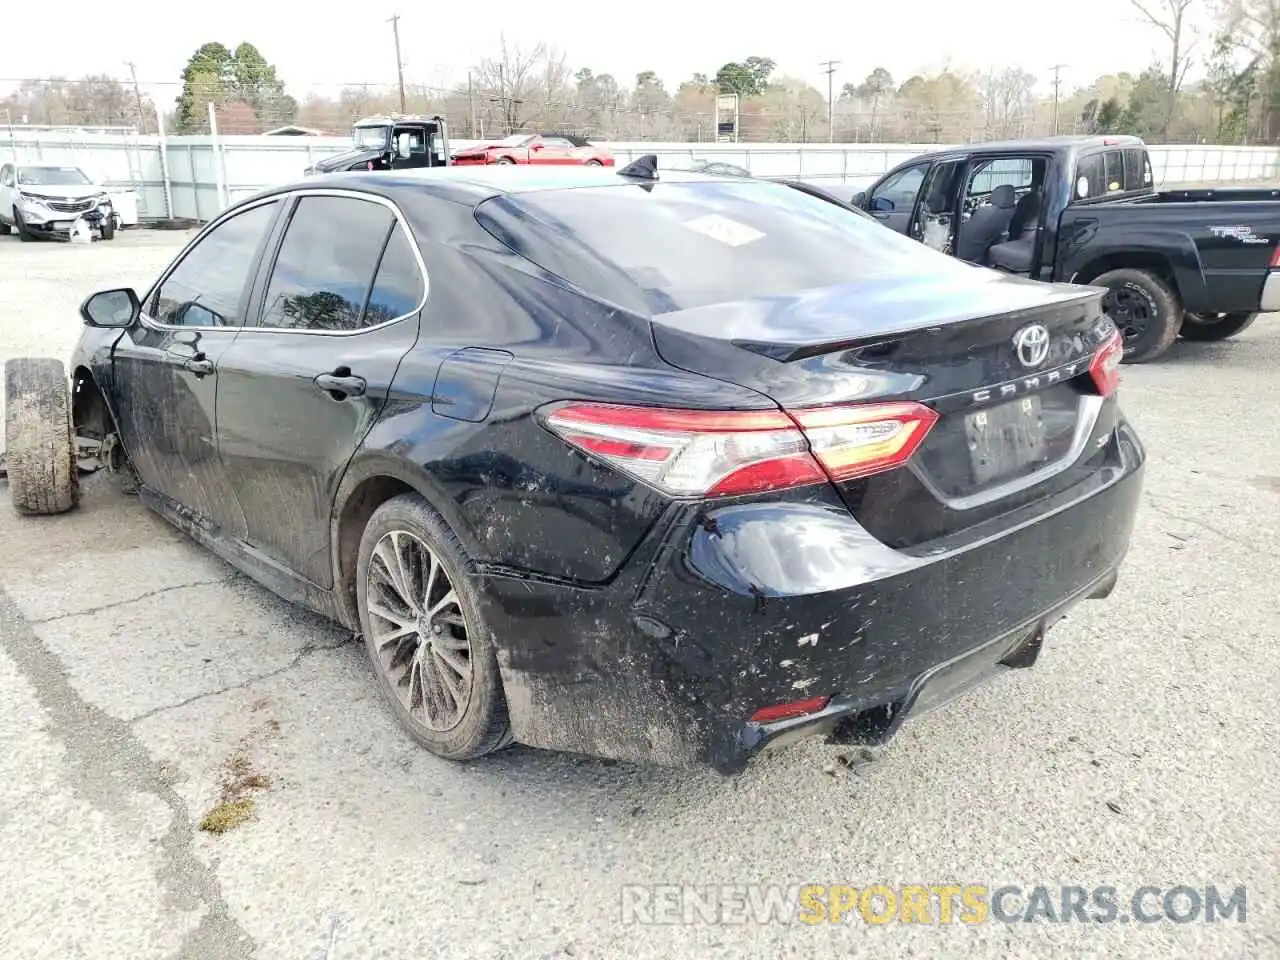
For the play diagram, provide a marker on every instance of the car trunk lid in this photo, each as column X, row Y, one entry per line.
column 1004, row 363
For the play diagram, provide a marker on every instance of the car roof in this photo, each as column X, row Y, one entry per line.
column 473, row 184
column 1069, row 144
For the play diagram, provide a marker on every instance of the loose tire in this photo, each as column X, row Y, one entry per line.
column 1207, row 327
column 5, row 229
column 424, row 632
column 1144, row 308
column 39, row 445
column 25, row 235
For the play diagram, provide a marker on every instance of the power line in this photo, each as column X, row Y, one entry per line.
column 831, row 103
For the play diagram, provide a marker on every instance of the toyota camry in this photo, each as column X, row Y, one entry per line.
column 661, row 466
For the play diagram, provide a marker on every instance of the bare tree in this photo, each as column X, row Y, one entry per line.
column 512, row 82
column 1007, row 101
column 1169, row 17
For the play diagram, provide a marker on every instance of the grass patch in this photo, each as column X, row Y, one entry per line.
column 235, row 807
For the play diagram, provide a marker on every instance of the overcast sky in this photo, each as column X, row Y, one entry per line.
column 322, row 47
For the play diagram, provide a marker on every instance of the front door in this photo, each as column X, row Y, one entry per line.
column 552, row 151
column 418, row 156
column 298, row 391
column 165, row 367
column 893, row 199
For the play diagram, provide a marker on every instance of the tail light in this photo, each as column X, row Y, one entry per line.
column 1275, row 257
column 690, row 453
column 786, row 711
column 1105, row 366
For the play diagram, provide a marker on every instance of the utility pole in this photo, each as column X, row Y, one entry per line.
column 471, row 108
column 831, row 103
column 1056, row 68
column 502, row 99
column 137, row 94
column 395, row 30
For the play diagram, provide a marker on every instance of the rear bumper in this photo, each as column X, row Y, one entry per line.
column 1270, row 301
column 730, row 608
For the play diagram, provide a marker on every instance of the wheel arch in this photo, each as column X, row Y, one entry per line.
column 368, row 483
column 1152, row 262
column 91, row 413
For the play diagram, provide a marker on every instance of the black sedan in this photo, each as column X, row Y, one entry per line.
column 666, row 467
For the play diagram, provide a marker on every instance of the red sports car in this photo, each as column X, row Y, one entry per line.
column 550, row 148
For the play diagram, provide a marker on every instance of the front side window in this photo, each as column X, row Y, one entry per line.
column 898, row 193
column 323, row 272
column 206, row 288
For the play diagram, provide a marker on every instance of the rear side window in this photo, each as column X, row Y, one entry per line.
column 398, row 288
column 675, row 246
column 1113, row 171
column 322, row 275
column 1137, row 170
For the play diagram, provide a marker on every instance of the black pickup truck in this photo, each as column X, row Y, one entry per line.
column 1200, row 263
column 395, row 142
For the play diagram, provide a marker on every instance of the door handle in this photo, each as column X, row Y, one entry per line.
column 199, row 366
column 340, row 386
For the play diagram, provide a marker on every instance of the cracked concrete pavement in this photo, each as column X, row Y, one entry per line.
column 134, row 667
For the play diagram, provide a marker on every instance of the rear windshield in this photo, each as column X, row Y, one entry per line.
column 676, row 246
column 1114, row 171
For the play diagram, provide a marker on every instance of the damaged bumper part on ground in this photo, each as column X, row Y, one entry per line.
column 742, row 627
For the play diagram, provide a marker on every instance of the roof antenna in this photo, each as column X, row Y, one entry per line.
column 641, row 168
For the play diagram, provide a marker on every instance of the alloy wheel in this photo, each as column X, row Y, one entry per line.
column 419, row 631
column 1131, row 309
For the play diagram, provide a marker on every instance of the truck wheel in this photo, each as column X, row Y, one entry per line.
column 1144, row 308
column 1206, row 327
column 40, row 451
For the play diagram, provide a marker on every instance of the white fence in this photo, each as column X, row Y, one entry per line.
column 195, row 177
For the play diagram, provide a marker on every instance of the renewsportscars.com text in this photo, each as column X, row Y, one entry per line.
column 878, row 904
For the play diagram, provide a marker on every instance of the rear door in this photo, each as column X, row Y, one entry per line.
column 165, row 367
column 893, row 199
column 337, row 309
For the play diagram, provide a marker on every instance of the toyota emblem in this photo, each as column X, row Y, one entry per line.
column 1032, row 344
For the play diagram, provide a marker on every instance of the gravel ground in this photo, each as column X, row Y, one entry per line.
column 140, row 678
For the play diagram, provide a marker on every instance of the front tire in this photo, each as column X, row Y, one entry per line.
column 25, row 235
column 1208, row 327
column 504, row 161
column 109, row 228
column 594, row 163
column 40, row 451
column 424, row 632
column 1145, row 310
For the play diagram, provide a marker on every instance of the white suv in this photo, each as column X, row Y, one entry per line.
column 46, row 200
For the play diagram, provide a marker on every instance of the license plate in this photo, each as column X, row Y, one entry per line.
column 1004, row 439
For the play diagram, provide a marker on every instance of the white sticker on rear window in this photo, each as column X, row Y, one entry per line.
column 727, row 231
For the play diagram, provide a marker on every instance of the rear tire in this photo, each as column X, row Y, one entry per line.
column 1145, row 310
column 40, row 451
column 416, row 655
column 594, row 163
column 1208, row 327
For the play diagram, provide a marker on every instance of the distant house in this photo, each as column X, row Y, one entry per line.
column 292, row 130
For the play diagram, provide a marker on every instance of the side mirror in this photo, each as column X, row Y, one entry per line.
column 404, row 145
column 111, row 308
column 881, row 205
column 860, row 199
